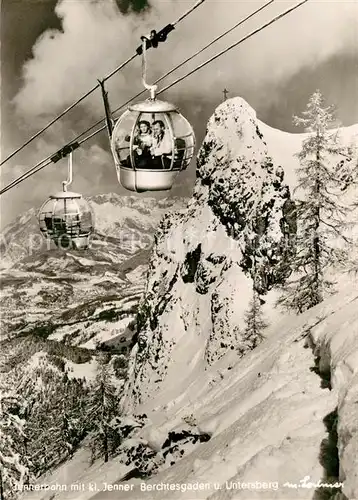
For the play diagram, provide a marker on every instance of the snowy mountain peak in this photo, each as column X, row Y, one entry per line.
column 233, row 131
column 233, row 238
column 238, row 179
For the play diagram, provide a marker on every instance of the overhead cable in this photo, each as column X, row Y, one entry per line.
column 156, row 37
column 47, row 161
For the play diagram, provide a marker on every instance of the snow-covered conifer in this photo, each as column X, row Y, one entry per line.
column 14, row 461
column 321, row 238
column 255, row 323
column 102, row 408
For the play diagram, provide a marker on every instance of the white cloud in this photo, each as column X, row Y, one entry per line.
column 96, row 38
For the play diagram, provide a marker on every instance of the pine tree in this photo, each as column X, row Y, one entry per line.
column 74, row 417
column 254, row 322
column 56, row 422
column 103, row 407
column 321, row 215
column 14, row 461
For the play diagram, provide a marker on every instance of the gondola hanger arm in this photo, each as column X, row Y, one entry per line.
column 152, row 88
column 67, row 182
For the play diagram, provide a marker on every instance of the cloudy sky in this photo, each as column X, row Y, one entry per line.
column 53, row 51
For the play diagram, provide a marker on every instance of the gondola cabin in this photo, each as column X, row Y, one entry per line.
column 151, row 143
column 66, row 218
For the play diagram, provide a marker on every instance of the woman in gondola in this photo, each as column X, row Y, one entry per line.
column 142, row 144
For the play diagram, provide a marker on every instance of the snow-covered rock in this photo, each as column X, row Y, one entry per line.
column 236, row 230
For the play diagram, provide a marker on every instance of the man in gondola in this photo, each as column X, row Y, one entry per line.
column 162, row 146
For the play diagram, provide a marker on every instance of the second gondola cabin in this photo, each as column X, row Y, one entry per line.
column 151, row 143
column 66, row 218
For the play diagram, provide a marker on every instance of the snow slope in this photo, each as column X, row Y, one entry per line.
column 264, row 414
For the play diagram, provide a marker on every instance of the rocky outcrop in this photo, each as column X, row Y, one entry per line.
column 236, row 234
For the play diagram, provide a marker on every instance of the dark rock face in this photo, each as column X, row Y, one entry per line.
column 146, row 461
column 248, row 203
column 190, row 265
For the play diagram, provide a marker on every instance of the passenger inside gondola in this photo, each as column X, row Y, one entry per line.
column 152, row 147
column 142, row 144
column 162, row 146
column 48, row 223
column 59, row 225
column 74, row 224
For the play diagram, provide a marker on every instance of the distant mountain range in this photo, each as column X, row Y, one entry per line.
column 59, row 292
